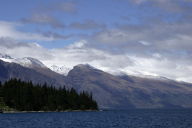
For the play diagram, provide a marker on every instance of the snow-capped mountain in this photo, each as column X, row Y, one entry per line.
column 6, row 58
column 60, row 69
column 63, row 70
column 26, row 61
column 30, row 62
column 33, row 63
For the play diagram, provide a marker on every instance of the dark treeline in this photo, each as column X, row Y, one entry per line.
column 25, row 96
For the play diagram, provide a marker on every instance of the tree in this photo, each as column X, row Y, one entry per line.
column 25, row 96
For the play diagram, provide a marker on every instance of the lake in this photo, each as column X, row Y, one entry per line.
column 104, row 119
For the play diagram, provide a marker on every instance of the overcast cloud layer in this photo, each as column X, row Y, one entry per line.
column 154, row 40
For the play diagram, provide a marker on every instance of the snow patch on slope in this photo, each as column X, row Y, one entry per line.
column 6, row 58
column 26, row 61
column 30, row 62
column 60, row 69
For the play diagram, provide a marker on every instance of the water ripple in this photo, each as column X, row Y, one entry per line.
column 105, row 119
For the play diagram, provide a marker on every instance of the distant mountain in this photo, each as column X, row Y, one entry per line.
column 34, row 64
column 124, row 92
column 112, row 92
column 26, row 61
column 13, row 70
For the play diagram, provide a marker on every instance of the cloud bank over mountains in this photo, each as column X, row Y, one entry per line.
column 138, row 37
column 80, row 53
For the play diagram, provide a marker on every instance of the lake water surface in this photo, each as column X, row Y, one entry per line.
column 104, row 119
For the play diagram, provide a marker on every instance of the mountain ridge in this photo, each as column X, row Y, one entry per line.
column 110, row 91
column 30, row 62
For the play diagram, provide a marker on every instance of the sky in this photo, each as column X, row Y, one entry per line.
column 136, row 37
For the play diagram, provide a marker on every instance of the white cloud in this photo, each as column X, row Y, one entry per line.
column 9, row 30
column 169, row 5
column 79, row 44
column 145, row 43
column 20, row 49
column 145, row 40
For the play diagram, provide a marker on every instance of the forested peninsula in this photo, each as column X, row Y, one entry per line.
column 17, row 95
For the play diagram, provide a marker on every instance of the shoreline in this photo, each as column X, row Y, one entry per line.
column 9, row 112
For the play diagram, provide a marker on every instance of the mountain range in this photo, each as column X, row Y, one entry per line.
column 110, row 91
